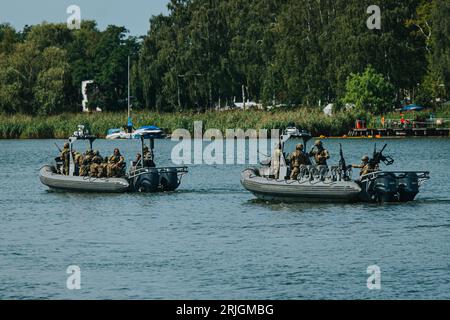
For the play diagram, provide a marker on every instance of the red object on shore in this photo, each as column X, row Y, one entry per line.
column 360, row 124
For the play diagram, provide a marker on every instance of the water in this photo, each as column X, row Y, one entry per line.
column 212, row 240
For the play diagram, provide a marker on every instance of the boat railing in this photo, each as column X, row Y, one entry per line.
column 314, row 173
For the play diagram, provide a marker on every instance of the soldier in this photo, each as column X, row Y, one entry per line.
column 148, row 158
column 137, row 161
column 276, row 161
column 78, row 158
column 298, row 158
column 320, row 154
column 86, row 163
column 95, row 169
column 115, row 164
column 365, row 166
column 65, row 158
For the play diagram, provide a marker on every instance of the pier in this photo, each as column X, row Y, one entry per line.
column 403, row 128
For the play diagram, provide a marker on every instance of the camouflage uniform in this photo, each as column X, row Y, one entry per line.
column 86, row 164
column 298, row 158
column 96, row 166
column 115, row 164
column 78, row 158
column 65, row 157
column 365, row 166
column 320, row 154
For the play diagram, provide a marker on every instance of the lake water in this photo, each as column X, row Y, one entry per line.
column 212, row 240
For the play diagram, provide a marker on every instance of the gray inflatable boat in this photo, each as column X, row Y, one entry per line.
column 142, row 176
column 302, row 190
column 54, row 180
column 332, row 184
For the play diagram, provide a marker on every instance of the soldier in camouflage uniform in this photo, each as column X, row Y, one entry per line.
column 86, row 164
column 320, row 154
column 65, row 158
column 298, row 158
column 78, row 158
column 115, row 164
column 365, row 166
column 95, row 169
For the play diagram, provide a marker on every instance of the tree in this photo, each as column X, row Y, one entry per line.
column 18, row 74
column 369, row 91
column 8, row 38
column 52, row 82
column 440, row 60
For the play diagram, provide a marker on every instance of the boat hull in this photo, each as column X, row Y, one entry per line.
column 300, row 191
column 56, row 181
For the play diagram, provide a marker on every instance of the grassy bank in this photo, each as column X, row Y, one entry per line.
column 61, row 126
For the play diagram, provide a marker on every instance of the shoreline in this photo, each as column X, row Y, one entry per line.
column 22, row 127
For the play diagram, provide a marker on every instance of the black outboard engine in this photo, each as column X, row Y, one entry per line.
column 385, row 187
column 169, row 179
column 147, row 182
column 408, row 186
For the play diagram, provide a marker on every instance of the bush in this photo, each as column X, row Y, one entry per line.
column 369, row 91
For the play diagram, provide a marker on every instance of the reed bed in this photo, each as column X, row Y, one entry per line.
column 61, row 126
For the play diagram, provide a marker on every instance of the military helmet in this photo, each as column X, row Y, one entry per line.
column 318, row 143
column 66, row 145
column 145, row 148
column 299, row 147
column 365, row 158
column 96, row 152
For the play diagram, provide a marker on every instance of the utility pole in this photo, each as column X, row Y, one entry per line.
column 179, row 91
column 129, row 104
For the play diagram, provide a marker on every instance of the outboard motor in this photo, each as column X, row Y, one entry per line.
column 385, row 187
column 408, row 186
column 147, row 182
column 169, row 179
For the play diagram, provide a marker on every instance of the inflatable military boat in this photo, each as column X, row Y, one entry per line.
column 142, row 176
column 332, row 184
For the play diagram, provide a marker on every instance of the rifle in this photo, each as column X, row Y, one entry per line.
column 343, row 164
column 58, row 148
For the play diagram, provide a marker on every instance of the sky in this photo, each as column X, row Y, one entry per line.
column 133, row 14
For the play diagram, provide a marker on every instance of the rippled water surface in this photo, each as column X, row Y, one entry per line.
column 212, row 240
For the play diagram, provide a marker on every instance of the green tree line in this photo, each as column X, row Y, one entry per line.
column 208, row 52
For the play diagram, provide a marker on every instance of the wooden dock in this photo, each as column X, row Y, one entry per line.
column 400, row 132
